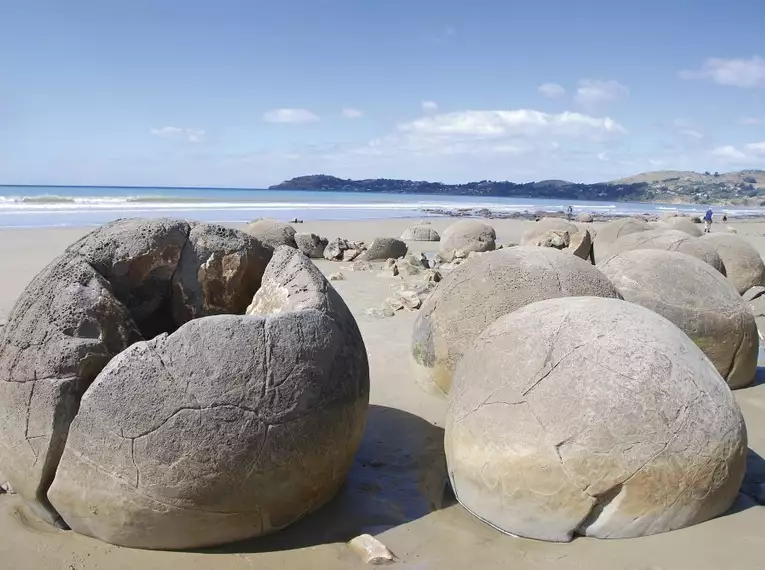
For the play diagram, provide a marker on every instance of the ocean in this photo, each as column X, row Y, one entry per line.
column 52, row 206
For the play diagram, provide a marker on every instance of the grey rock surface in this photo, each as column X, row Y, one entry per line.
column 420, row 232
column 233, row 426
column 468, row 235
column 585, row 218
column 109, row 290
column 669, row 240
column 384, row 247
column 698, row 300
column 559, row 234
column 754, row 293
column 685, row 225
column 484, row 288
column 272, row 232
column 311, row 245
column 612, row 231
column 602, row 419
column 743, row 265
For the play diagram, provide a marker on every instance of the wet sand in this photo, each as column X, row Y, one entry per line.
column 397, row 488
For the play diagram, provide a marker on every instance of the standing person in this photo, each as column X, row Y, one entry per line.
column 725, row 218
column 708, row 221
column 570, row 213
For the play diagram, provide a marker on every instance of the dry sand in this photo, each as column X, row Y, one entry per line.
column 396, row 488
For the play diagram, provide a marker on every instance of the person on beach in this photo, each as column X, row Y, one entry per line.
column 570, row 213
column 725, row 218
column 708, row 221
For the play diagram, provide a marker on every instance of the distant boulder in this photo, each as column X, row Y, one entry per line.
column 421, row 232
column 311, row 245
column 384, row 248
column 272, row 232
column 585, row 218
column 468, row 235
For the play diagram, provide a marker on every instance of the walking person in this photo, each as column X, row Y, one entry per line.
column 570, row 213
column 708, row 221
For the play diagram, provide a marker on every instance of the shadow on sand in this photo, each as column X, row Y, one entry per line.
column 399, row 475
column 752, row 491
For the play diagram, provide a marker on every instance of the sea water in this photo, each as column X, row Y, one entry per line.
column 49, row 206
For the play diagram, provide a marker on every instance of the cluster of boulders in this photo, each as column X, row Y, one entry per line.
column 595, row 399
column 174, row 385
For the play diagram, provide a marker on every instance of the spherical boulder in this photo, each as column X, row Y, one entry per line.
column 669, row 240
column 384, row 248
column 743, row 265
column 233, row 426
column 612, row 231
column 585, row 218
column 482, row 289
column 684, row 224
column 421, row 232
column 595, row 417
column 311, row 245
column 272, row 232
column 560, row 234
column 468, row 235
column 696, row 298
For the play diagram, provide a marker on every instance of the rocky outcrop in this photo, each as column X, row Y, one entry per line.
column 311, row 245
column 272, row 232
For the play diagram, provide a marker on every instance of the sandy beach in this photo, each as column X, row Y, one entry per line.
column 397, row 489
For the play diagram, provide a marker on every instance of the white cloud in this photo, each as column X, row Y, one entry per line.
column 293, row 116
column 551, row 90
column 752, row 153
column 187, row 134
column 505, row 123
column 429, row 106
column 349, row 113
column 595, row 91
column 750, row 121
column 746, row 73
column 692, row 133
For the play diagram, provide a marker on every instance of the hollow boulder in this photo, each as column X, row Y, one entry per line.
column 484, row 288
column 696, row 298
column 743, row 264
column 233, row 426
column 560, row 234
column 311, row 245
column 595, row 417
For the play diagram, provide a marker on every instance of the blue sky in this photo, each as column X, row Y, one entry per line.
column 248, row 93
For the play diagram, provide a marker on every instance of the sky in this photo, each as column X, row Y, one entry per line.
column 247, row 93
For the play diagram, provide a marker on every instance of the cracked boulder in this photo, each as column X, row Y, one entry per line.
column 669, row 240
column 311, row 245
column 602, row 419
column 560, row 234
column 696, row 298
column 612, row 231
column 468, row 235
column 231, row 427
column 272, row 232
column 107, row 291
column 484, row 288
column 743, row 263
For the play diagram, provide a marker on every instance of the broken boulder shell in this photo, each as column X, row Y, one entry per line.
column 152, row 412
column 601, row 419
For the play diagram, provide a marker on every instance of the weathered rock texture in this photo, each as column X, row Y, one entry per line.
column 233, row 426
column 484, row 288
column 669, row 240
column 421, row 232
column 272, row 232
column 384, row 248
column 743, row 264
column 684, row 224
column 696, row 298
column 585, row 218
column 595, row 417
column 612, row 231
column 468, row 235
column 311, row 245
column 560, row 234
